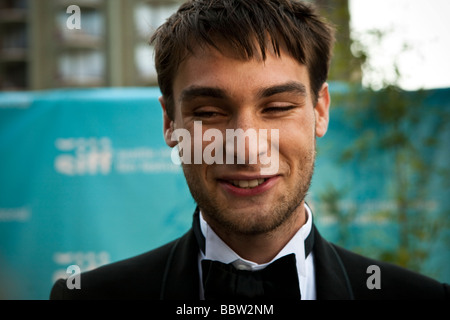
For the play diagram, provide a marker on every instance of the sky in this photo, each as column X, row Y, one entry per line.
column 422, row 26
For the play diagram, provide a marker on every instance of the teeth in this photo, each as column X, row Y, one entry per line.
column 248, row 183
column 253, row 183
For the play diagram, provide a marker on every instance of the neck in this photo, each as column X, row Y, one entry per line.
column 262, row 248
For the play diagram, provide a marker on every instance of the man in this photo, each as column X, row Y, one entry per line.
column 248, row 65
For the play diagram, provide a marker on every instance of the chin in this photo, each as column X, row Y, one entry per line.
column 252, row 220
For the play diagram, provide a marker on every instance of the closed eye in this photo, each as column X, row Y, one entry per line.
column 278, row 109
column 206, row 114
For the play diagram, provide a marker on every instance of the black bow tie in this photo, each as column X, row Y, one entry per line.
column 279, row 280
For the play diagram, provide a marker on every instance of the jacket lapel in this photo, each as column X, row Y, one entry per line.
column 331, row 277
column 181, row 275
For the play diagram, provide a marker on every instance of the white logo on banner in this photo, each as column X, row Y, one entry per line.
column 22, row 214
column 88, row 156
column 96, row 156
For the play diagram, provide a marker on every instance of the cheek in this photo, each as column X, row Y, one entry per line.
column 296, row 142
column 196, row 176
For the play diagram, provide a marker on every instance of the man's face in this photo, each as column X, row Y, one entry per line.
column 225, row 92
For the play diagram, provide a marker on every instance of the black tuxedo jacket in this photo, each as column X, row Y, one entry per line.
column 171, row 273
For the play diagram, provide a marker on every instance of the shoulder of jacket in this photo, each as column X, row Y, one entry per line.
column 375, row 279
column 138, row 277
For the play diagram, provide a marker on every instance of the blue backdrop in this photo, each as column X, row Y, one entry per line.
column 86, row 179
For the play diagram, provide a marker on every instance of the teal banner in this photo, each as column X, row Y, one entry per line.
column 87, row 179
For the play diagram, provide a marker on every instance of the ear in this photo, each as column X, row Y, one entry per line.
column 168, row 125
column 321, row 110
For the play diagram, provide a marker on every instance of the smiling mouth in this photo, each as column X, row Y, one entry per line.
column 247, row 184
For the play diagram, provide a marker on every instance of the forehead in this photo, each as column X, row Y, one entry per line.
column 225, row 69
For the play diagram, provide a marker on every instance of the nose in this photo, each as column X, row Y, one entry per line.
column 245, row 118
column 241, row 145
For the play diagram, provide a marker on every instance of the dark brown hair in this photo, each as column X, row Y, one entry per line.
column 307, row 37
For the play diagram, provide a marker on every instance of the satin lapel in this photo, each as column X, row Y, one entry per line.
column 181, row 276
column 331, row 277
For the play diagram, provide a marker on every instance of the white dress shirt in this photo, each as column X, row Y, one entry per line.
column 216, row 249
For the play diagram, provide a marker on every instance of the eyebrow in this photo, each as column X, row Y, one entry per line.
column 289, row 87
column 193, row 92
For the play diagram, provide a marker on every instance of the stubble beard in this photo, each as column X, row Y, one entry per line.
column 258, row 222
